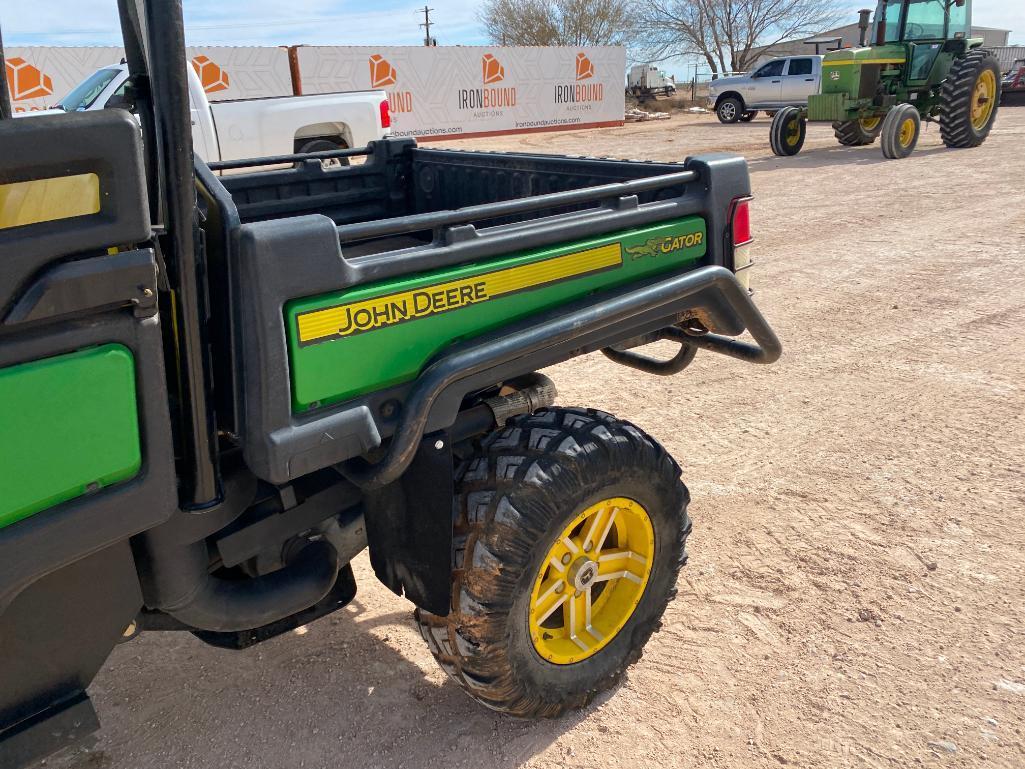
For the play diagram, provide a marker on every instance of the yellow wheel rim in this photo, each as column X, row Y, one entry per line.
column 591, row 580
column 870, row 123
column 983, row 99
column 793, row 132
column 907, row 132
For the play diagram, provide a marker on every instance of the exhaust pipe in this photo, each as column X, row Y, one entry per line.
column 864, row 16
column 177, row 582
column 174, row 567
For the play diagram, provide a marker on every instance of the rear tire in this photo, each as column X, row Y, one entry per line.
column 901, row 128
column 325, row 145
column 515, row 499
column 857, row 133
column 969, row 100
column 788, row 133
column 729, row 110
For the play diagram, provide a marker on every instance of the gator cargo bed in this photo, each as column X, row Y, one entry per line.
column 416, row 253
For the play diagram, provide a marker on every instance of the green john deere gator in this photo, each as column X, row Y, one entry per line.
column 221, row 382
column 922, row 66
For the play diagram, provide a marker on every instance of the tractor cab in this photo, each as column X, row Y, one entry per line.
column 921, row 27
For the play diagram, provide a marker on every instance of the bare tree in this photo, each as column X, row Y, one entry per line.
column 557, row 22
column 728, row 34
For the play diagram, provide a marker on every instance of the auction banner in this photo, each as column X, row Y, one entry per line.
column 472, row 91
column 39, row 77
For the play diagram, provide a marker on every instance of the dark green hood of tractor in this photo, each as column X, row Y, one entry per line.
column 850, row 75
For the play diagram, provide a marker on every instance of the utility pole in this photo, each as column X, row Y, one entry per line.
column 428, row 40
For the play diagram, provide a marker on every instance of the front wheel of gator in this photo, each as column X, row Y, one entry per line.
column 570, row 528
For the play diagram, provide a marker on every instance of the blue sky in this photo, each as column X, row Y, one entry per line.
column 325, row 22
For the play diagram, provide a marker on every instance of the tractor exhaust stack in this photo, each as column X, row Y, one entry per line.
column 864, row 17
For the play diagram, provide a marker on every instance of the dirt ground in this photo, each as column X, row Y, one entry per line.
column 856, row 588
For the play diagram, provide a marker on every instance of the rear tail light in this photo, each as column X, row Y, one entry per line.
column 385, row 114
column 741, row 240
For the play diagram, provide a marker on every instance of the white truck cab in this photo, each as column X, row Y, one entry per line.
column 778, row 83
column 248, row 128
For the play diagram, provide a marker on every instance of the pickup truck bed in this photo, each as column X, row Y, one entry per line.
column 418, row 253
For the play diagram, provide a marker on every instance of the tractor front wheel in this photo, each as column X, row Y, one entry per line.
column 969, row 100
column 858, row 133
column 901, row 129
column 788, row 132
column 570, row 528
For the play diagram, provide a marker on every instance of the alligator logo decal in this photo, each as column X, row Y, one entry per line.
column 657, row 246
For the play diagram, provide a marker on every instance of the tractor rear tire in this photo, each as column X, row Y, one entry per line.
column 729, row 110
column 788, row 132
column 901, row 128
column 970, row 99
column 521, row 637
column 854, row 133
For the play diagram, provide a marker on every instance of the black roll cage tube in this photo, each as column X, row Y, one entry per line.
column 154, row 39
column 5, row 96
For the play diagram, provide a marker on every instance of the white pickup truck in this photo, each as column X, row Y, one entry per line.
column 248, row 128
column 783, row 82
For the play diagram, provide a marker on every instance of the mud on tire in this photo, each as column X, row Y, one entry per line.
column 514, row 498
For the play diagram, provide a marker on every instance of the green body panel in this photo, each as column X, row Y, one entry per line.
column 330, row 370
column 70, row 426
column 844, row 95
column 830, row 107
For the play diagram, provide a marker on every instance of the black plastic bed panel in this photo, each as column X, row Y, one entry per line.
column 398, row 179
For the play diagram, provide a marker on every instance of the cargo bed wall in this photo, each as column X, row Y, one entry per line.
column 399, row 179
column 334, row 261
column 450, row 179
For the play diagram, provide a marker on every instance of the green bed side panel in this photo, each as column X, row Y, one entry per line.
column 348, row 343
column 70, row 426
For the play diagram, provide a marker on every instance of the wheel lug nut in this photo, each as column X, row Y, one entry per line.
column 560, row 587
column 566, row 558
column 588, row 547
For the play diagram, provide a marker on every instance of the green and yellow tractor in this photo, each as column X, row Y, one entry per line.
column 922, row 65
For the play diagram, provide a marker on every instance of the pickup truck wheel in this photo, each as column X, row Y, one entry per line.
column 901, row 128
column 729, row 110
column 325, row 145
column 969, row 99
column 747, row 117
column 858, row 133
column 570, row 528
column 788, row 132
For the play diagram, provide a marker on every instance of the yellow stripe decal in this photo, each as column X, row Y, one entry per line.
column 850, row 62
column 370, row 314
column 47, row 200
